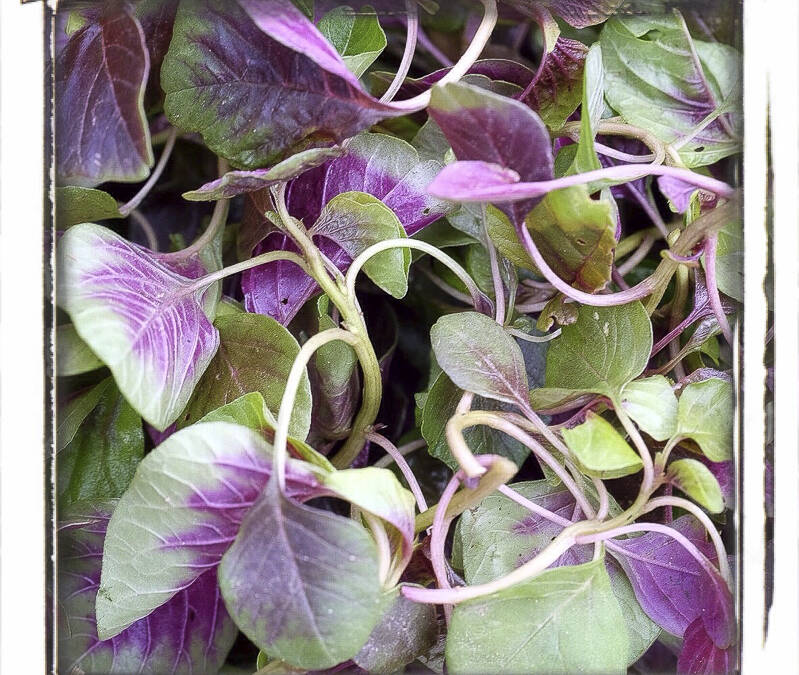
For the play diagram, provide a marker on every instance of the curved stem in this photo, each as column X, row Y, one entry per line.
column 533, row 338
column 478, row 299
column 616, row 128
column 404, row 450
column 712, row 287
column 401, row 462
column 521, row 500
column 263, row 259
column 429, row 46
column 383, row 546
column 146, row 227
column 701, row 516
column 638, row 255
column 438, row 535
column 623, row 156
column 466, row 61
column 648, row 482
column 649, row 208
column 444, row 286
column 137, row 199
column 496, row 277
column 412, row 24
column 512, row 192
column 290, row 394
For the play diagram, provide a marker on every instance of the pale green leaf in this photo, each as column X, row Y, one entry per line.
column 652, row 404
column 697, row 481
column 600, row 450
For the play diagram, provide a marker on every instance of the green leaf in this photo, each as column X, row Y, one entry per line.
column 697, row 481
column 593, row 104
column 576, row 236
column 566, row 620
column 730, row 260
column 73, row 355
column 302, row 583
column 602, row 351
column 652, row 79
column 652, row 404
column 71, row 416
column 600, row 450
column 705, row 415
column 439, row 405
column 557, row 309
column 255, row 354
column 406, row 630
column 479, row 356
column 355, row 221
column 547, row 398
column 75, row 205
column 100, row 459
column 504, row 237
column 357, row 36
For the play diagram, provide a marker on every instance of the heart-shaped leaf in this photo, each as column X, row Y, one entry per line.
column 255, row 354
column 602, row 351
column 357, row 36
column 101, row 129
column 651, row 402
column 302, row 583
column 479, row 356
column 260, row 83
column 696, row 480
column 190, row 633
column 540, row 626
column 147, row 323
column 600, row 450
column 705, row 415
column 181, row 513
column 75, row 205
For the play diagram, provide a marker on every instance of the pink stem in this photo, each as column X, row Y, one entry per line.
column 671, row 335
column 712, row 287
column 402, row 463
column 512, row 494
column 619, row 279
column 438, row 535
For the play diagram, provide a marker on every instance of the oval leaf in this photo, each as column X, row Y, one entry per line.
column 142, row 319
column 479, row 356
column 696, row 480
column 705, row 415
column 652, row 404
column 302, row 583
column 600, row 450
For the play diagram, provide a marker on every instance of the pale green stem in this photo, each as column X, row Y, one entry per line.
column 499, row 288
column 407, row 55
column 383, row 546
column 403, row 450
column 533, row 338
column 701, row 516
column 648, row 480
column 423, row 246
column 138, row 198
column 290, row 394
column 263, row 259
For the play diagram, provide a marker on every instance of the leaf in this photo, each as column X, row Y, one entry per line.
column 302, row 583
column 260, row 83
column 730, row 260
column 406, row 630
column 696, row 480
column 255, row 354
column 355, row 221
column 240, row 182
column 593, row 104
column 576, row 236
column 486, row 127
column 479, row 356
column 142, row 319
column 705, row 415
column 75, row 205
column 357, row 36
column 181, row 513
column 653, row 80
column 157, row 18
column 499, row 535
column 699, row 655
column 556, row 89
column 99, row 460
column 73, row 355
column 189, row 634
column 385, row 167
column 378, row 492
column 652, row 404
column 540, row 626
column 101, row 129
column 600, row 450
column 577, row 13
column 672, row 587
column 602, row 351
column 440, row 405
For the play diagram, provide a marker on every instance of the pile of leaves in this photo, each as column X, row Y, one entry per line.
column 505, row 446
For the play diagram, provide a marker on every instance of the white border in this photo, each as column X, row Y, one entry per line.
column 22, row 585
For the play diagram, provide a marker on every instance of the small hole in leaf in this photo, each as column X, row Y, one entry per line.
column 426, row 210
column 699, row 149
column 284, row 301
column 192, row 614
column 580, row 241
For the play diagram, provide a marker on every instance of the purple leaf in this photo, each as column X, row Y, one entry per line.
column 725, row 475
column 458, row 180
column 180, row 514
column 191, row 633
column 157, row 18
column 302, row 583
column 679, row 193
column 577, row 13
column 101, row 129
column 701, row 656
column 230, row 76
column 380, row 165
column 487, row 127
column 143, row 320
column 671, row 585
